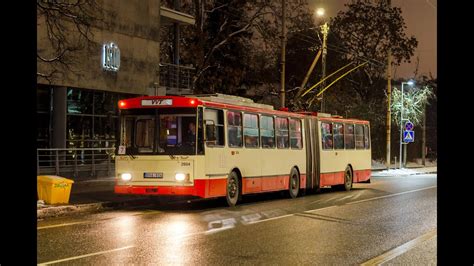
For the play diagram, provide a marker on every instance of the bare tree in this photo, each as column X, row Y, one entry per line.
column 66, row 26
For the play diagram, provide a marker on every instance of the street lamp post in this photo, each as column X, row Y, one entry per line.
column 324, row 30
column 401, row 122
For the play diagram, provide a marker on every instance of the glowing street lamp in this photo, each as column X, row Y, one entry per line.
column 320, row 12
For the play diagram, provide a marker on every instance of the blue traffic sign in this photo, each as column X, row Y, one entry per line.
column 408, row 136
column 408, row 126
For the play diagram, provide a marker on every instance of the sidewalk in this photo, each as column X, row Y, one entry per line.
column 88, row 196
column 98, row 194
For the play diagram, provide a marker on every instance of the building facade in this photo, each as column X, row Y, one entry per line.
column 78, row 107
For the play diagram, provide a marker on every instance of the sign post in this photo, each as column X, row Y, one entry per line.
column 408, row 134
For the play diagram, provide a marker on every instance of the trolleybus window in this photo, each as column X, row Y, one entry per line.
column 145, row 135
column 338, row 136
column 214, row 120
column 234, row 129
column 349, row 136
column 366, row 137
column 295, row 134
column 251, row 131
column 326, row 133
column 282, row 133
column 359, row 136
column 267, row 131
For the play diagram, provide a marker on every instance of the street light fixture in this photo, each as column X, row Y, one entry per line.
column 320, row 12
column 410, row 83
column 324, row 30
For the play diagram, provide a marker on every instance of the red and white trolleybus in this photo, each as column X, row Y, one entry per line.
column 227, row 146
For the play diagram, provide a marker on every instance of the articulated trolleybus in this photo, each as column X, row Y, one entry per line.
column 218, row 145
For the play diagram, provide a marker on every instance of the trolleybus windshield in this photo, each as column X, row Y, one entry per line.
column 159, row 131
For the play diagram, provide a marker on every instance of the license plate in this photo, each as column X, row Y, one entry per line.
column 152, row 175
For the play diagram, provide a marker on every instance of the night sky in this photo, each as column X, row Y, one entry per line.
column 421, row 21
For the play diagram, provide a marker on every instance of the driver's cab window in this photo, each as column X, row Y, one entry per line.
column 214, row 123
column 177, row 131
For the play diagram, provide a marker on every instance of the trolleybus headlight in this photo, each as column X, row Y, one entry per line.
column 180, row 177
column 126, row 176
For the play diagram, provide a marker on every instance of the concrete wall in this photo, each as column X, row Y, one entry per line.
column 134, row 27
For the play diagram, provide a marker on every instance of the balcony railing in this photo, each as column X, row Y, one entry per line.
column 176, row 78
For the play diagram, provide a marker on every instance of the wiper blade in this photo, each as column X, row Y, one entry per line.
column 130, row 154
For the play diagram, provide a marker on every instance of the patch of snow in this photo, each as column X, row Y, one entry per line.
column 404, row 172
column 378, row 164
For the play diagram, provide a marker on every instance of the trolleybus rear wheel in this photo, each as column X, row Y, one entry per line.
column 294, row 184
column 347, row 179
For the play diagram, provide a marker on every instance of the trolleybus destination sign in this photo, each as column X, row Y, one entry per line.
column 157, row 102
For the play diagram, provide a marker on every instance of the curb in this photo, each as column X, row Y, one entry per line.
column 67, row 210
column 422, row 173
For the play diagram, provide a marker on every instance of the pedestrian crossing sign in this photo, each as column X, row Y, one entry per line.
column 408, row 136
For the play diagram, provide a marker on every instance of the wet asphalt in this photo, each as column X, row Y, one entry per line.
column 325, row 228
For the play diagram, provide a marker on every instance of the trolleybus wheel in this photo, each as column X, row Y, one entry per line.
column 294, row 184
column 347, row 179
column 233, row 189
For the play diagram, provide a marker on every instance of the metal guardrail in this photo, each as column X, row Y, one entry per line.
column 76, row 162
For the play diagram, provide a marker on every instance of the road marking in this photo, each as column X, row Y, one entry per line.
column 86, row 255
column 269, row 219
column 358, row 195
column 146, row 212
column 328, row 200
column 346, row 197
column 60, row 225
column 400, row 250
column 310, row 211
column 391, row 195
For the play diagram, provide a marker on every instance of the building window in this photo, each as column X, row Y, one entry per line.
column 267, row 131
column 92, row 118
column 43, row 116
column 251, row 131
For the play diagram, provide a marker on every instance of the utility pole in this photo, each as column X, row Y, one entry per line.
column 389, row 111
column 283, row 53
column 423, row 141
column 324, row 30
column 389, row 99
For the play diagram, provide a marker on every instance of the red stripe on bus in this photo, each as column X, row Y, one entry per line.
column 210, row 188
column 330, row 179
column 362, row 175
column 337, row 178
column 264, row 184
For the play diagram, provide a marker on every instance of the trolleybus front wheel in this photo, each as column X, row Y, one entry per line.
column 233, row 189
